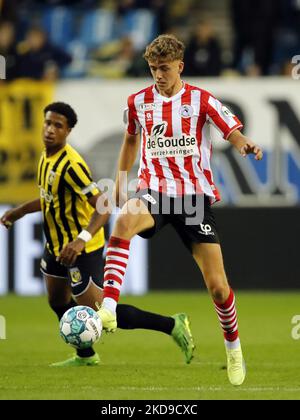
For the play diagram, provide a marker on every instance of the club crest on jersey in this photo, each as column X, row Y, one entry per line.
column 147, row 107
column 51, row 177
column 159, row 129
column 186, row 111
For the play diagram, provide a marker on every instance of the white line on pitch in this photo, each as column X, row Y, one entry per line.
column 211, row 388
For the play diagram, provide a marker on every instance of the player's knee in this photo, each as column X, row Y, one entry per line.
column 125, row 226
column 57, row 302
column 219, row 291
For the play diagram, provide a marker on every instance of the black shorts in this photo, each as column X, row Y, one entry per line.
column 88, row 268
column 190, row 215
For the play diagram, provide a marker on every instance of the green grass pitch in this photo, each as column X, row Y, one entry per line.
column 147, row 365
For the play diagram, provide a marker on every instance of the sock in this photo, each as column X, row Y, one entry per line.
column 85, row 352
column 114, row 271
column 228, row 319
column 60, row 310
column 129, row 318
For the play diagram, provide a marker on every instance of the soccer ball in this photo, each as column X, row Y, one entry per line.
column 81, row 327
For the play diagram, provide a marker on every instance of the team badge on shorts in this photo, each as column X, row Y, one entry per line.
column 186, row 111
column 75, row 276
column 43, row 264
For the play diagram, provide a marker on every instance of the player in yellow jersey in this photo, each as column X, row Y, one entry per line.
column 72, row 263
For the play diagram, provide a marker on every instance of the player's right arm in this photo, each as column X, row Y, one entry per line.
column 128, row 152
column 12, row 215
column 127, row 158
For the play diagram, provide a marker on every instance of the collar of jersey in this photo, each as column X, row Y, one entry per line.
column 172, row 98
column 56, row 154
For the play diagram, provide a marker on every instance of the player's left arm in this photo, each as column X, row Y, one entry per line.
column 228, row 125
column 79, row 179
column 99, row 219
column 244, row 145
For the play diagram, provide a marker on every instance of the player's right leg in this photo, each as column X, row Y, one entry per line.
column 134, row 218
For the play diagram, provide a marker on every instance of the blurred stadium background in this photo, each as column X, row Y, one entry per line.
column 89, row 53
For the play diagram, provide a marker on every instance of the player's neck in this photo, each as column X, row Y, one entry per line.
column 51, row 151
column 168, row 93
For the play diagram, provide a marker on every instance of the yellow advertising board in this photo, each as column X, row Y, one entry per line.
column 21, row 121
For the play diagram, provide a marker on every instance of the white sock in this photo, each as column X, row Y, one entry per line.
column 232, row 345
column 110, row 304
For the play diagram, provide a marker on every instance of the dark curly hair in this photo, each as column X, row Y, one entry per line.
column 63, row 109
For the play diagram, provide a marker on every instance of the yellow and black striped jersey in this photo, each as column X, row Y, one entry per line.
column 65, row 185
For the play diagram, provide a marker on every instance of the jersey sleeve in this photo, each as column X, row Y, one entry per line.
column 221, row 117
column 130, row 118
column 78, row 178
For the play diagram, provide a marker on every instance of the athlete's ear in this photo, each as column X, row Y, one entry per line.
column 181, row 67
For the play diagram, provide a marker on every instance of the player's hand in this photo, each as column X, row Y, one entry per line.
column 251, row 148
column 8, row 218
column 70, row 252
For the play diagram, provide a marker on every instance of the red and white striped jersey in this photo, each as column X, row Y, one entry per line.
column 175, row 139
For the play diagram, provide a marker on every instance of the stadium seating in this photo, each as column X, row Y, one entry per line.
column 59, row 23
column 96, row 28
column 77, row 68
column 141, row 26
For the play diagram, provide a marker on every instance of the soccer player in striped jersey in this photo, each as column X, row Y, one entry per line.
column 72, row 263
column 171, row 120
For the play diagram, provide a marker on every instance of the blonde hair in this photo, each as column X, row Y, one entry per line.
column 165, row 47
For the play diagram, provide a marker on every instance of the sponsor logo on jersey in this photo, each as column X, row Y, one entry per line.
column 148, row 107
column 227, row 112
column 186, row 111
column 51, row 177
column 149, row 116
column 46, row 196
column 158, row 145
column 159, row 129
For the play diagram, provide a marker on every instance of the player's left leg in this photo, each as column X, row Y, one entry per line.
column 60, row 300
column 208, row 257
column 129, row 317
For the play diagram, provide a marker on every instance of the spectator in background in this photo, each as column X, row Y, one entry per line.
column 117, row 59
column 203, row 52
column 287, row 37
column 9, row 9
column 83, row 3
column 158, row 7
column 8, row 49
column 254, row 23
column 38, row 59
